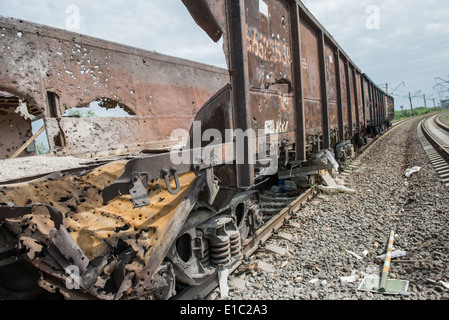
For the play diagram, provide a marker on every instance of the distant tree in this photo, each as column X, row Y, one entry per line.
column 77, row 113
column 41, row 148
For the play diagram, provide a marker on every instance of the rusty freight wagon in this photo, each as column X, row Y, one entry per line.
column 150, row 203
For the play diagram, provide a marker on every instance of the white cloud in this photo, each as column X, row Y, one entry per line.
column 411, row 44
column 163, row 26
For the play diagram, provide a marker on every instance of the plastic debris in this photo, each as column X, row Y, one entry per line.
column 445, row 284
column 331, row 158
column 355, row 255
column 394, row 255
column 411, row 171
column 348, row 279
column 337, row 189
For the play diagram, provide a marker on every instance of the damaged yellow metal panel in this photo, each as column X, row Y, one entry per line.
column 96, row 228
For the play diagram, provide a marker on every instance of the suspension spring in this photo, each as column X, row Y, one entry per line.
column 236, row 244
column 205, row 254
column 220, row 254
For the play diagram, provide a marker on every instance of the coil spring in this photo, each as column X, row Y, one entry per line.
column 236, row 246
column 220, row 253
column 205, row 254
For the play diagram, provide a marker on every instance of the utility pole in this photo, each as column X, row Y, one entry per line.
column 411, row 103
column 386, row 87
column 425, row 103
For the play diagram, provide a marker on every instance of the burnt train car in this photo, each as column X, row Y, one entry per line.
column 168, row 195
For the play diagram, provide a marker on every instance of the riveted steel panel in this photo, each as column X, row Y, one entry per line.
column 269, row 40
column 162, row 93
column 352, row 88
column 344, row 93
column 332, row 90
column 311, row 77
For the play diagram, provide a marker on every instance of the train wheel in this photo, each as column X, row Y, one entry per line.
column 19, row 281
column 167, row 279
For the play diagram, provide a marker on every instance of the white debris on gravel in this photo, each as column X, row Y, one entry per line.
column 333, row 224
column 13, row 169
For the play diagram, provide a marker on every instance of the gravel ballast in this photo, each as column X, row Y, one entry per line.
column 341, row 234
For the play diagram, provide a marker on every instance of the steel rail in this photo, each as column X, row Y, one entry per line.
column 273, row 225
column 436, row 145
column 437, row 154
column 250, row 246
column 440, row 123
column 263, row 234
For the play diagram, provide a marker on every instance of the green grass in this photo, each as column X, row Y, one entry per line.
column 401, row 114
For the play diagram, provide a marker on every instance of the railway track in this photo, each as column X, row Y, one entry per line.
column 440, row 121
column 217, row 99
column 278, row 209
column 434, row 137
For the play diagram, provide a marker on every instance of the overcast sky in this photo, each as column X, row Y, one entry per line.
column 393, row 41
